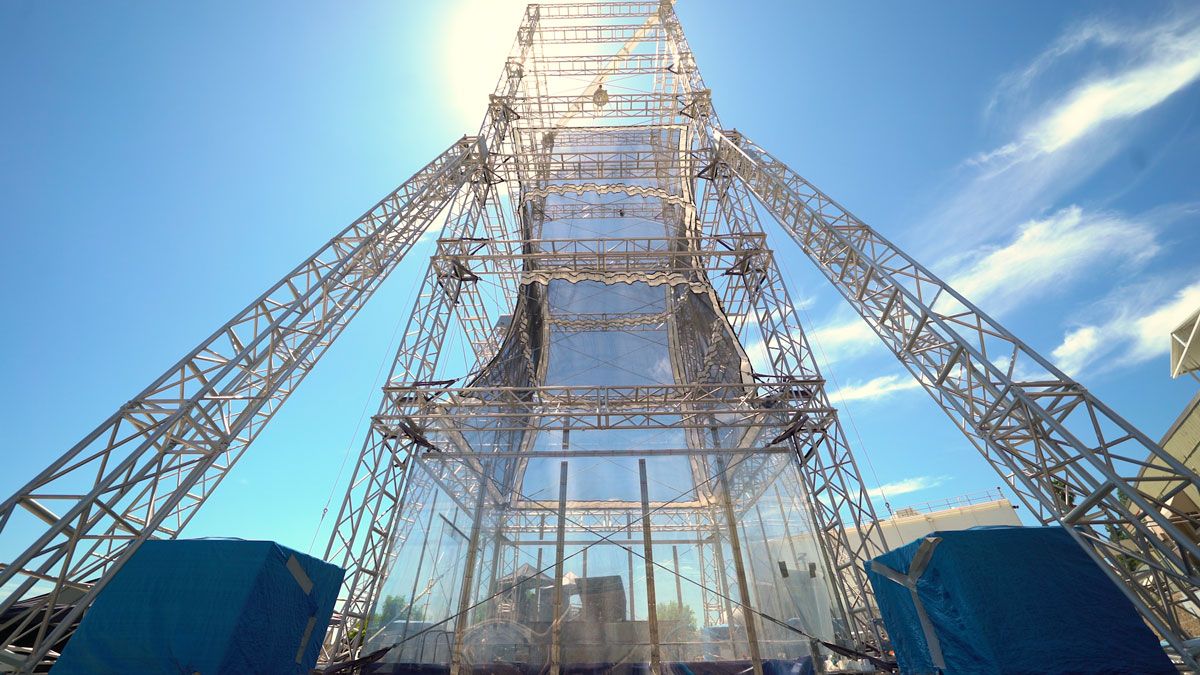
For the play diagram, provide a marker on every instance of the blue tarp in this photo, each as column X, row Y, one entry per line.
column 207, row 606
column 1013, row 600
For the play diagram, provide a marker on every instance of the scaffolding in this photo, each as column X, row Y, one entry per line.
column 611, row 482
column 607, row 479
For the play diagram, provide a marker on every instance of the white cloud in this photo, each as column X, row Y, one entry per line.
column 1077, row 348
column 1149, row 332
column 1049, row 252
column 903, row 487
column 880, row 387
column 1127, row 95
column 837, row 341
column 1135, row 331
column 1161, row 61
column 1063, row 137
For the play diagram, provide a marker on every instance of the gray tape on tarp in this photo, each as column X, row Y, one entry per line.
column 306, row 585
column 299, row 575
column 919, row 562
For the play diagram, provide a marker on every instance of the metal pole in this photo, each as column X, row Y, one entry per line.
column 556, row 627
column 722, row 569
column 743, row 588
column 629, row 532
column 648, row 547
column 464, row 599
column 678, row 578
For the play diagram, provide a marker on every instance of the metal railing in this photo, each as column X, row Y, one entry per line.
column 969, row 499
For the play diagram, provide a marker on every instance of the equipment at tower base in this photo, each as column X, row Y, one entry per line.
column 207, row 606
column 1008, row 600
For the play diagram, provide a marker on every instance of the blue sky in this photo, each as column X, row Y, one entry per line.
column 162, row 164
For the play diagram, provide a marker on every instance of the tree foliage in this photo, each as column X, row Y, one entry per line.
column 395, row 608
column 1117, row 533
column 685, row 628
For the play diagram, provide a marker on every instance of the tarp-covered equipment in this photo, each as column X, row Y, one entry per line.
column 207, row 606
column 1008, row 600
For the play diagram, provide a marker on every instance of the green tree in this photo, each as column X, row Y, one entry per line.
column 684, row 619
column 1062, row 494
column 395, row 608
column 1116, row 533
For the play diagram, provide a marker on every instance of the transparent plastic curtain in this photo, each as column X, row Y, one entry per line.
column 540, row 522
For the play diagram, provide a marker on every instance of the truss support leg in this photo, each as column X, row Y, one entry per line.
column 147, row 470
column 1061, row 444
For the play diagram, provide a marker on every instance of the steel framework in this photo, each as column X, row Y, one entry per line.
column 555, row 192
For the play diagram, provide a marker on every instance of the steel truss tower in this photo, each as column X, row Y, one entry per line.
column 610, row 462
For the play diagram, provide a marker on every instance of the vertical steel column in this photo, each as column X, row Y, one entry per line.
column 560, row 535
column 412, row 596
column 705, row 582
column 648, row 547
column 464, row 599
column 743, row 587
column 629, row 550
column 678, row 577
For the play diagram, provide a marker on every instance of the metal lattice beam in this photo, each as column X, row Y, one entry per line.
column 144, row 471
column 1069, row 457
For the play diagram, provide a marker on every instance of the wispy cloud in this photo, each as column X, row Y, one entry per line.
column 835, row 340
column 877, row 388
column 1077, row 349
column 1083, row 35
column 1062, row 138
column 1159, row 61
column 1134, row 331
column 1047, row 253
column 903, row 487
column 843, row 339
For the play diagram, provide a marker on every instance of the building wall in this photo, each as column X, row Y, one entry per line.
column 898, row 531
column 1182, row 441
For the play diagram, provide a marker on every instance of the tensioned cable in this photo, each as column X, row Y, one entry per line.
column 366, row 405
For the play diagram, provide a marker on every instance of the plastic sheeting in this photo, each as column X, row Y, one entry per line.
column 489, row 493
column 207, row 606
column 1011, row 600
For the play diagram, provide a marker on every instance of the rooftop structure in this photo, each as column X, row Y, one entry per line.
column 1185, row 347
